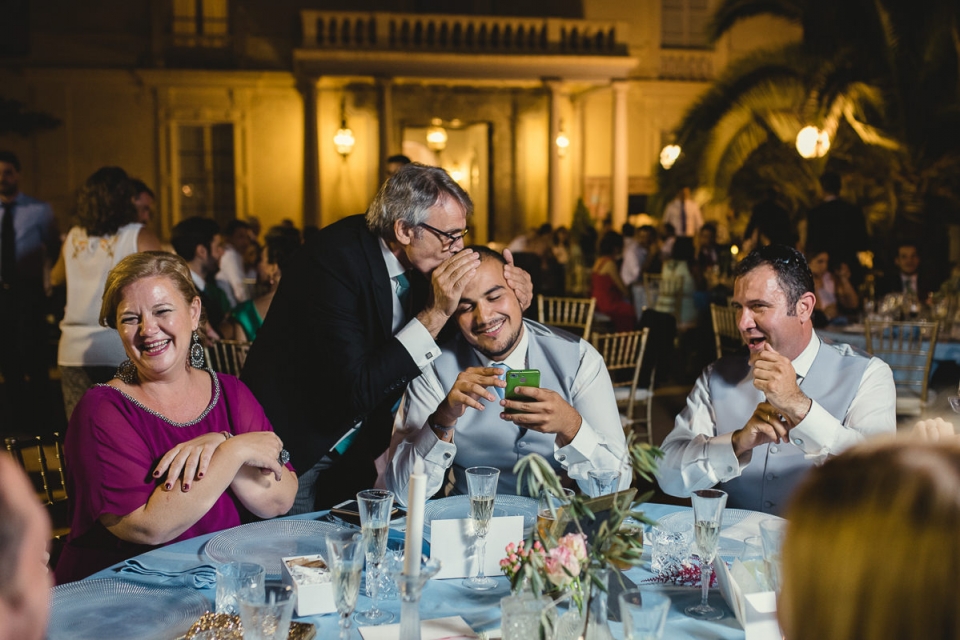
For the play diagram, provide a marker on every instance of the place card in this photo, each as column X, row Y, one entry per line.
column 450, row 628
column 453, row 542
column 756, row 612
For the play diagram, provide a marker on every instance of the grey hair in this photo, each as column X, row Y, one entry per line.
column 408, row 194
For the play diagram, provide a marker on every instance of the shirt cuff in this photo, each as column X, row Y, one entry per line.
column 719, row 451
column 815, row 434
column 580, row 449
column 434, row 450
column 419, row 343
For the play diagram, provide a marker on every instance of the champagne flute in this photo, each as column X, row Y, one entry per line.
column 375, row 508
column 708, row 507
column 345, row 558
column 482, row 485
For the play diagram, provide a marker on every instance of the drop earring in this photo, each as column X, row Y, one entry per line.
column 196, row 352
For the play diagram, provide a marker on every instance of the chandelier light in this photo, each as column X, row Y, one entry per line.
column 436, row 135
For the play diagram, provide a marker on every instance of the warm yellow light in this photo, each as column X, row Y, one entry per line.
column 457, row 174
column 734, row 249
column 344, row 140
column 436, row 136
column 813, row 142
column 669, row 155
column 563, row 143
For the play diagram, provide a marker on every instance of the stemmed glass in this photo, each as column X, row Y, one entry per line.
column 708, row 507
column 482, row 485
column 603, row 481
column 375, row 508
column 345, row 557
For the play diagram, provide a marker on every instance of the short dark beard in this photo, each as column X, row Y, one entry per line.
column 513, row 341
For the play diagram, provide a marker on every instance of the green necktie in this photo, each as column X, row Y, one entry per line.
column 403, row 290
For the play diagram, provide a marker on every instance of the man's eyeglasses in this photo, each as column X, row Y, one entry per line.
column 451, row 238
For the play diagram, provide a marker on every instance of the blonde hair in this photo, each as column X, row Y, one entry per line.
column 873, row 545
column 146, row 264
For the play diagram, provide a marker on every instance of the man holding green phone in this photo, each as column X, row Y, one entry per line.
column 503, row 388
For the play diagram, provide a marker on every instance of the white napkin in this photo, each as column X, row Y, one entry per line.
column 756, row 612
column 450, row 628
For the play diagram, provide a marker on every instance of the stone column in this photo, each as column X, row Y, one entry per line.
column 618, row 165
column 307, row 86
column 385, row 118
column 555, row 85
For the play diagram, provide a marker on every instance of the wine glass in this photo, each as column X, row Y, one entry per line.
column 482, row 485
column 603, row 481
column 345, row 558
column 375, row 508
column 708, row 507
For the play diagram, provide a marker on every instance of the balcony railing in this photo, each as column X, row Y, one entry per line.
column 694, row 66
column 461, row 34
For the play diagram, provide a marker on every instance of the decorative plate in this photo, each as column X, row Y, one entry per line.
column 111, row 608
column 268, row 541
column 456, row 507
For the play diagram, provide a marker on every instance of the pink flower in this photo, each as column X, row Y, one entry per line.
column 576, row 543
column 561, row 566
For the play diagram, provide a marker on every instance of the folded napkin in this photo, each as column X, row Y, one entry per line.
column 749, row 526
column 437, row 629
column 199, row 577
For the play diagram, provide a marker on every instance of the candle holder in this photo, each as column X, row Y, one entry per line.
column 411, row 587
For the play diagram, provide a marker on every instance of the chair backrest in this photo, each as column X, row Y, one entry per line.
column 38, row 455
column 623, row 355
column 567, row 313
column 726, row 335
column 908, row 348
column 227, row 356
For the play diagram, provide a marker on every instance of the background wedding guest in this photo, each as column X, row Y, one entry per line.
column 245, row 320
column 232, row 274
column 755, row 422
column 107, row 231
column 25, row 580
column 198, row 241
column 908, row 277
column 144, row 201
column 683, row 214
column 871, row 549
column 837, row 226
column 29, row 242
column 681, row 264
column 452, row 417
column 356, row 318
column 613, row 297
column 167, row 450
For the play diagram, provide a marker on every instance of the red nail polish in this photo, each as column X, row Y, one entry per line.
column 168, row 486
column 199, row 475
column 186, row 487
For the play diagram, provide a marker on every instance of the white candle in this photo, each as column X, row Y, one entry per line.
column 416, row 499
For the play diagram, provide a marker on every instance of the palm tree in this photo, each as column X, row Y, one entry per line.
column 882, row 77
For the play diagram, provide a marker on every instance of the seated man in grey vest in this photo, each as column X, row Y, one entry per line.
column 754, row 423
column 453, row 414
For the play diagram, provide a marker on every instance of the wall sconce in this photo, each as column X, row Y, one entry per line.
column 436, row 135
column 563, row 142
column 669, row 155
column 813, row 142
column 344, row 140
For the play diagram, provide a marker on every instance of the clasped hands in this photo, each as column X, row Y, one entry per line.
column 189, row 461
column 785, row 406
column 545, row 411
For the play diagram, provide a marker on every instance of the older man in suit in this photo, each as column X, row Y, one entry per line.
column 356, row 318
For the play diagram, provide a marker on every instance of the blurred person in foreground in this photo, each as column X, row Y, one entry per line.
column 871, row 549
column 167, row 450
column 355, row 319
column 25, row 580
column 245, row 320
column 454, row 416
column 755, row 422
column 108, row 230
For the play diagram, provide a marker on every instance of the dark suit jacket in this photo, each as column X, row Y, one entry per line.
column 326, row 357
column 893, row 283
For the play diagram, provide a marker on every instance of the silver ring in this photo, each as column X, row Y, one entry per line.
column 284, row 457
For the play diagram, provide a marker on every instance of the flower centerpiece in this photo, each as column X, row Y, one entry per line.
column 575, row 553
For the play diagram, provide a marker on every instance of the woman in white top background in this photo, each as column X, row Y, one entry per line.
column 107, row 231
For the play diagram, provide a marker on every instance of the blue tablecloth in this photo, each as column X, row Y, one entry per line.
column 481, row 610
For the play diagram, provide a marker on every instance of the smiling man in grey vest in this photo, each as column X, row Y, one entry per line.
column 756, row 421
column 453, row 415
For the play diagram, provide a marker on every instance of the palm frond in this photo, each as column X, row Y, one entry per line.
column 731, row 12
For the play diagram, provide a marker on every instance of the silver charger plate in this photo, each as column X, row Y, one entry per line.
column 731, row 517
column 266, row 542
column 456, row 507
column 111, row 608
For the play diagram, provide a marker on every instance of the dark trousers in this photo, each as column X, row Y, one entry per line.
column 24, row 359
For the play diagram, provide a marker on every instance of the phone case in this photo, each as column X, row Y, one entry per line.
column 520, row 378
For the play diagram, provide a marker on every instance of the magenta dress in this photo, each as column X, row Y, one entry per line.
column 113, row 445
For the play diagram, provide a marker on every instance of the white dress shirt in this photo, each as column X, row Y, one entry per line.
column 599, row 443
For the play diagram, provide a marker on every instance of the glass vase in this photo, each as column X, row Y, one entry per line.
column 592, row 623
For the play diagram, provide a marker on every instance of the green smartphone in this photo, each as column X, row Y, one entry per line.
column 520, row 378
